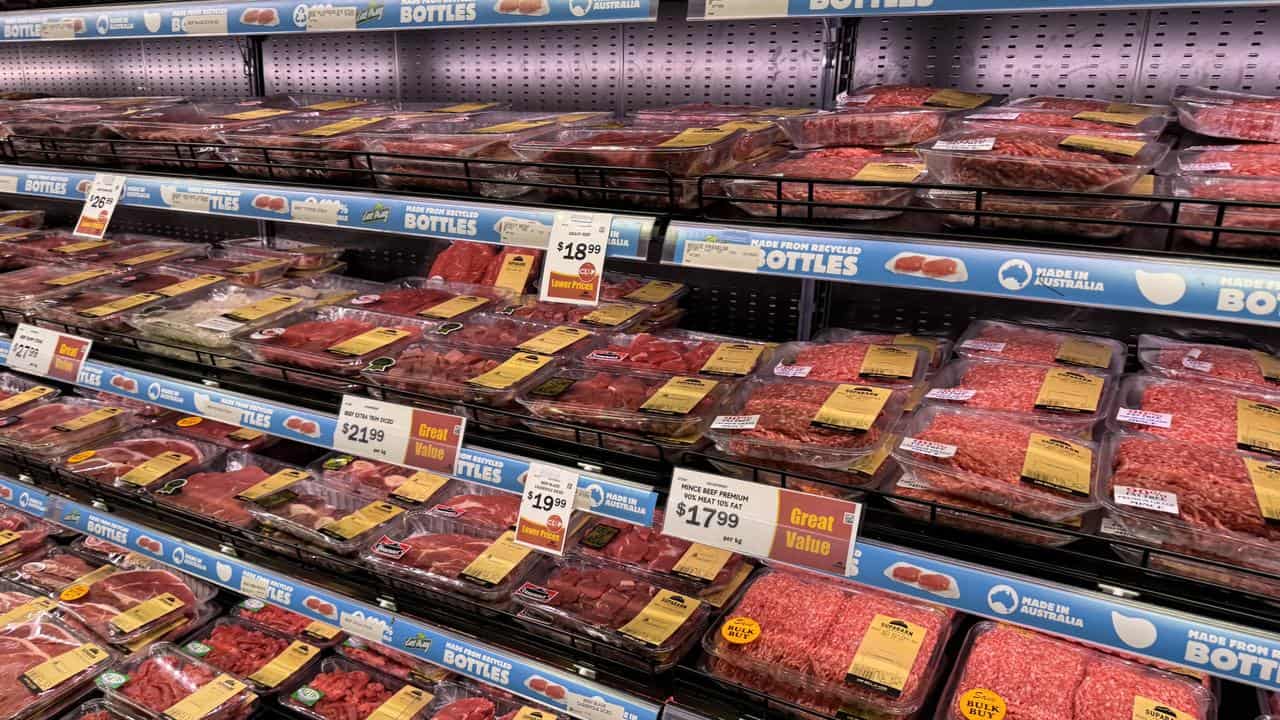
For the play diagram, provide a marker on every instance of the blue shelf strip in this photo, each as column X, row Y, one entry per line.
column 276, row 17
column 466, row 657
column 629, row 502
column 452, row 220
column 1200, row 289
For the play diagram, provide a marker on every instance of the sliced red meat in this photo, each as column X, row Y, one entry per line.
column 496, row 510
column 240, row 649
column 54, row 571
column 464, row 261
column 112, row 461
column 439, row 370
column 213, row 494
column 472, row 708
column 440, row 553
column 647, row 549
column 652, row 352
column 305, row 344
column 117, row 593
column 162, row 680
column 404, row 301
column 348, row 694
column 24, row 646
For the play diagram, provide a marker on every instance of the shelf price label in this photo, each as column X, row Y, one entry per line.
column 574, row 267
column 329, row 18
column 399, row 434
column 99, row 205
column 41, row 351
column 545, row 507
column 763, row 521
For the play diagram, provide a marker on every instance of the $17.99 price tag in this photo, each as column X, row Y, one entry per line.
column 574, row 267
column 99, row 205
column 546, row 506
column 41, row 351
column 399, row 434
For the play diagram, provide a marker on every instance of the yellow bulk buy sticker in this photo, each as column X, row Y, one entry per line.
column 1258, row 426
column 25, row 397
column 514, row 369
column 678, row 396
column 1114, row 146
column 886, row 655
column 852, row 408
column 660, row 619
column 740, row 630
column 146, row 612
column 453, row 307
column 1069, row 390
column 733, row 359
column 156, row 468
column 206, row 699
column 554, row 340
column 981, row 704
column 496, row 561
column 368, row 341
column 1084, row 352
column 1058, row 464
column 890, row 361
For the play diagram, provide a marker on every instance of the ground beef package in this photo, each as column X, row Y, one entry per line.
column 916, row 499
column 1202, row 361
column 855, row 359
column 1198, row 413
column 998, row 340
column 1060, row 399
column 1231, row 115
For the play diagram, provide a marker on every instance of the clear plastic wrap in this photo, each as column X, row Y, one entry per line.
column 22, row 219
column 1053, row 102
column 267, row 661
column 1209, row 362
column 395, row 663
column 478, row 505
column 678, row 406
column 213, row 493
column 98, row 709
column 103, row 553
column 358, row 475
column 105, row 306
column 870, row 470
column 288, row 622
column 1067, row 400
column 836, row 164
column 144, row 251
column 333, row 340
column 683, row 153
column 498, row 332
column 213, row 320
column 1208, row 414
column 32, row 683
column 24, row 534
column 991, row 458
column 680, row 351
column 1225, row 114
column 938, row 347
column 756, row 135
column 19, row 393
column 143, row 412
column 39, row 432
column 1082, row 209
column 153, row 682
column 326, row 288
column 243, row 266
column 128, row 604
column 607, row 316
column 1003, row 119
column 323, row 516
column 142, row 458
column 50, row 570
column 828, row 644
column 510, row 267
column 402, row 161
column 915, row 96
column 434, row 299
column 705, row 114
column 324, row 147
column 59, row 246
column 858, row 125
column 996, row 340
column 301, row 255
column 906, row 488
column 857, row 359
column 232, row 437
column 492, row 378
column 1245, row 173
column 341, row 689
column 662, row 296
column 28, row 286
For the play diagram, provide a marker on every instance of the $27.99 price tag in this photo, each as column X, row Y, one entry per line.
column 546, row 506
column 99, row 205
column 574, row 267
column 41, row 351
column 399, row 434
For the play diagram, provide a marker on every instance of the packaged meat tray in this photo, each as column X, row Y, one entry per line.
column 607, row 316
column 683, row 153
column 1209, row 414
column 139, row 251
column 756, row 135
column 315, row 147
column 649, row 190
column 1208, row 362
column 827, row 644
column 515, row 269
column 996, row 340
column 1003, row 119
column 990, row 458
column 326, row 288
column 492, row 378
column 916, row 96
column 432, row 299
column 143, row 412
column 214, row 494
column 267, row 661
column 498, row 332
column 231, row 437
column 822, row 424
column 49, row 571
column 468, row 700
column 96, row 710
column 242, row 266
column 31, row 685
column 1245, row 173
column 870, row 470
column 61, row 426
column 28, row 286
column 301, row 255
column 1231, row 115
column 182, row 137
column 1089, row 104
column 835, row 164
column 1197, row 500
column 104, row 306
column 1042, row 159
column 287, row 622
column 57, row 246
column 128, row 604
column 452, row 557
column 680, row 351
column 19, row 393
column 24, row 535
column 478, row 505
column 938, row 347
column 102, row 552
column 707, row 114
column 346, row 690
column 1080, row 209
column 1066, row 400
column 883, row 126
column 855, row 360
column 441, row 161
column 154, row 684
column 360, row 476
column 142, row 458
column 618, row 607
column 323, row 516
column 1043, row 676
column 661, row 295
column 213, row 320
column 948, row 512
column 333, row 340
column 166, row 280
column 22, row 219
column 396, row 663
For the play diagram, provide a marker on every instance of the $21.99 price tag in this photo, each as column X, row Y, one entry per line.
column 574, row 267
column 99, row 205
column 546, row 506
column 41, row 351
column 399, row 434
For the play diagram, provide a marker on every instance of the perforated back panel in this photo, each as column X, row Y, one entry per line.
column 1219, row 47
column 360, row 64
column 196, row 66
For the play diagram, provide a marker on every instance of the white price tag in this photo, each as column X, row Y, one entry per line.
column 983, row 345
column 724, row 9
column 958, row 394
column 214, row 23
column 63, row 29
column 1142, row 498
column 523, row 232
column 928, row 447
column 545, row 507
column 982, row 144
column 1145, row 417
column 1189, row 362
column 721, row 256
column 320, row 213
column 795, row 371
column 99, row 205
column 994, row 116
column 574, row 266
column 735, row 422
column 189, row 201
column 372, row 429
column 41, row 351
column 327, row 18
column 9, row 183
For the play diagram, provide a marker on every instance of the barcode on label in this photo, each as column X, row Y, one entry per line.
column 1144, row 499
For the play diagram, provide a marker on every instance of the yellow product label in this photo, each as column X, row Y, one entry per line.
column 512, row 127
column 153, row 256
column 321, row 631
column 512, row 370
column 957, row 99
column 852, row 408
column 257, row 266
column 1084, row 352
column 146, row 612
column 1258, row 426
column 740, row 630
column 785, row 111
column 156, row 468
column 1058, row 464
column 285, row 665
column 62, row 667
column 83, row 246
column 660, row 619
column 1115, row 146
column 514, row 273
column 342, row 126
column 149, row 637
column 189, row 421
column 702, row 561
column 886, row 654
column 571, row 118
column 1133, row 109
column 497, row 561
column 263, row 308
column 25, row 397
column 528, row 713
column 678, row 396
column 269, row 486
column 406, row 703
column 696, row 137
column 868, row 465
column 981, row 704
column 612, row 315
column 420, row 487
column 119, row 305
column 453, row 307
column 889, row 172
column 186, row 286
column 245, row 434
column 890, row 361
column 10, row 237
column 207, row 698
column 1146, row 185
column 1265, row 477
column 1145, row 708
column 362, row 521
column 747, row 125
column 654, row 292
column 336, row 105
column 1268, row 365
column 27, row 610
column 465, row 107
column 1113, row 118
column 1070, row 390
column 368, row 341
column 90, row 418
column 733, row 358
column 74, row 278
column 554, row 340
column 928, row 343
column 259, row 114
column 87, row 580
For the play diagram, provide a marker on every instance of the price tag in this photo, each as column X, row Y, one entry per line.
column 722, row 256
column 763, row 521
column 61, row 29
column 41, row 351
column 574, row 266
column 399, row 434
column 326, row 18
column 318, row 213
column 99, row 205
column 545, row 507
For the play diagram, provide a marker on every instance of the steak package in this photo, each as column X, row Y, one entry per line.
column 214, row 494
column 1208, row 414
column 938, row 347
column 49, row 571
column 1083, row 210
column 430, row 299
column 213, row 320
column 607, row 316
column 858, row 359
column 826, row 644
column 333, row 340
column 19, row 393
column 996, row 340
column 478, row 505
column 682, row 352
column 1231, row 115
column 162, row 681
column 231, row 437
column 808, row 169
column 807, row 422
column 661, row 295
column 360, row 476
column 61, row 426
column 144, row 413
column 915, row 96
column 46, row 661
column 125, row 605
column 1202, row 361
column 288, row 623
column 57, row 246
column 683, row 153
column 861, row 125
column 618, row 607
column 267, row 661
column 142, row 458
column 1066, row 400
column 430, row 157
column 918, row 500
column 140, row 251
column 505, row 266
column 323, row 147
column 340, row 689
column 396, row 663
column 473, row 375
column 1043, row 676
column 991, row 458
column 301, row 255
column 24, row 288
column 105, row 306
column 243, row 265
column 1003, row 119
column 499, row 332
column 326, row 517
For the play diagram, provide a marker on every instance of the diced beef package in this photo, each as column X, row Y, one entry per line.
column 63, row 425
column 906, row 489
column 514, row 268
column 476, row 701
column 1069, row 400
column 154, row 681
column 96, row 710
column 246, row 650
column 608, row 316
column 1231, row 115
column 662, row 295
column 1210, row 414
column 648, row 403
column 997, row 340
column 680, row 351
column 1203, row 361
column 31, row 643
column 423, row 298
column 824, row 644
column 101, row 606
column 437, row 368
column 499, row 332
column 232, row 437
column 345, row 690
column 142, row 458
column 856, row 359
column 50, row 571
column 288, row 623
column 400, row 665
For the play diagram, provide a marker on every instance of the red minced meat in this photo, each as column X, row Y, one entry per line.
column 1021, row 343
column 787, row 409
column 1226, row 364
column 1203, row 414
column 241, row 650
column 841, row 362
column 348, row 694
column 1035, row 160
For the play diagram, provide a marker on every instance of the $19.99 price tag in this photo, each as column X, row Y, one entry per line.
column 574, row 267
column 399, row 434
column 546, row 506
column 99, row 205
column 41, row 351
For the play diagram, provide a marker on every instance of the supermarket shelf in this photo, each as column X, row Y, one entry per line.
column 277, row 17
column 629, row 236
column 1148, row 283
column 777, row 9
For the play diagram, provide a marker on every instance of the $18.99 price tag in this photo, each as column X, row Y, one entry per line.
column 99, row 205
column 41, row 351
column 546, row 506
column 399, row 434
column 574, row 267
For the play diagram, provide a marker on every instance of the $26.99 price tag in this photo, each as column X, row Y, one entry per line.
column 99, row 205
column 399, row 434
column 41, row 351
column 546, row 506
column 574, row 267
